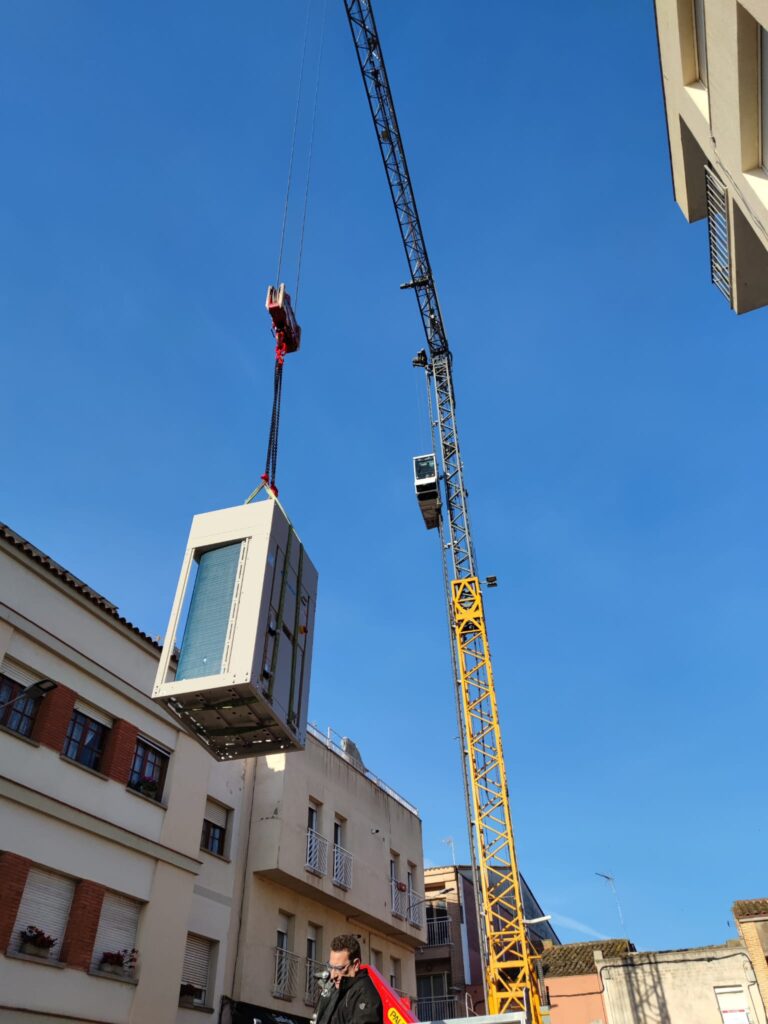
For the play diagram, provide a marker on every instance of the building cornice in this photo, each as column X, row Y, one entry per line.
column 52, row 808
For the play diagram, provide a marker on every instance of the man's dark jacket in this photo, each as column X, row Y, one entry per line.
column 355, row 1001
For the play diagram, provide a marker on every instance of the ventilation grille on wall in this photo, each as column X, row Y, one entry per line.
column 719, row 234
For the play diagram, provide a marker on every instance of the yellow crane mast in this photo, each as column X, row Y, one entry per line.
column 510, row 977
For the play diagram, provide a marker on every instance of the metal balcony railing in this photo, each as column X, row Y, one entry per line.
column 719, row 233
column 438, row 931
column 286, row 973
column 436, row 1008
column 415, row 908
column 312, row 985
column 317, row 852
column 342, row 867
column 399, row 898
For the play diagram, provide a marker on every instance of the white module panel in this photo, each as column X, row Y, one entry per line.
column 235, row 665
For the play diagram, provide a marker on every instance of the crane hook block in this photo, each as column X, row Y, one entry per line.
column 284, row 325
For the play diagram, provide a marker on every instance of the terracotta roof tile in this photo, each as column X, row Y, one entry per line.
column 579, row 957
column 36, row 555
column 750, row 908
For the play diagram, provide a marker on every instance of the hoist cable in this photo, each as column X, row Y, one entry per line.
column 311, row 147
column 270, row 469
column 293, row 145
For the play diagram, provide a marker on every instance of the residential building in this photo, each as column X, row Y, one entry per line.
column 333, row 850
column 714, row 67
column 751, row 917
column 119, row 832
column 574, row 988
column 449, row 971
column 706, row 985
column 101, row 804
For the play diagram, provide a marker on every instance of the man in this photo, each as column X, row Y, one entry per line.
column 350, row 996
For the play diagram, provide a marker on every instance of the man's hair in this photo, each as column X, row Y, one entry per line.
column 347, row 943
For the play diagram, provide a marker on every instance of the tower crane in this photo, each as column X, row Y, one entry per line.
column 510, row 978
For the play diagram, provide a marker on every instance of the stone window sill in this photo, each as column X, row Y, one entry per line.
column 84, row 767
column 200, row 1009
column 125, row 978
column 36, row 960
column 218, row 856
column 24, row 739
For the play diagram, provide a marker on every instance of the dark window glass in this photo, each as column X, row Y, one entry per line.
column 213, row 837
column 19, row 716
column 148, row 770
column 85, row 740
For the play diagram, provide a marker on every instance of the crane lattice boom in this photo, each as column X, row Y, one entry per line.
column 510, row 979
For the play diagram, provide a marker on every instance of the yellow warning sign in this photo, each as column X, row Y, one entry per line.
column 394, row 1017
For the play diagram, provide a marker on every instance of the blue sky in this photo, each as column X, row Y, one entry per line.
column 612, row 409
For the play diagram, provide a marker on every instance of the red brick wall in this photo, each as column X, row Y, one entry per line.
column 13, row 878
column 117, row 759
column 52, row 718
column 77, row 947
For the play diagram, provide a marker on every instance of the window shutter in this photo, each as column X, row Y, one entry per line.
column 216, row 814
column 118, row 924
column 18, row 673
column 45, row 904
column 95, row 713
column 197, row 962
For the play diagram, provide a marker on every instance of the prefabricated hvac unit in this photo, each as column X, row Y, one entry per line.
column 235, row 665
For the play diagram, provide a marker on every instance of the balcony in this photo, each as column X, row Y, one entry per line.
column 312, row 985
column 438, row 931
column 399, row 898
column 342, row 867
column 317, row 853
column 436, row 1008
column 286, row 973
column 415, row 908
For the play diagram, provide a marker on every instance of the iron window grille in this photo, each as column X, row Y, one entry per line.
column 19, row 716
column 85, row 740
column 148, row 770
column 285, row 973
column 719, row 233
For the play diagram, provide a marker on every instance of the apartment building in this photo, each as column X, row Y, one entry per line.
column 449, row 978
column 714, row 67
column 119, row 833
column 102, row 802
column 333, row 850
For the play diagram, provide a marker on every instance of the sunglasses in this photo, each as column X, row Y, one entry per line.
column 340, row 970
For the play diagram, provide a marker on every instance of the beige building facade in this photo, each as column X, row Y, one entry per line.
column 118, row 832
column 714, row 67
column 332, row 850
column 751, row 917
column 707, row 985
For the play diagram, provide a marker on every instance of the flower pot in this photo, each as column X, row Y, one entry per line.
column 28, row 949
column 112, row 968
